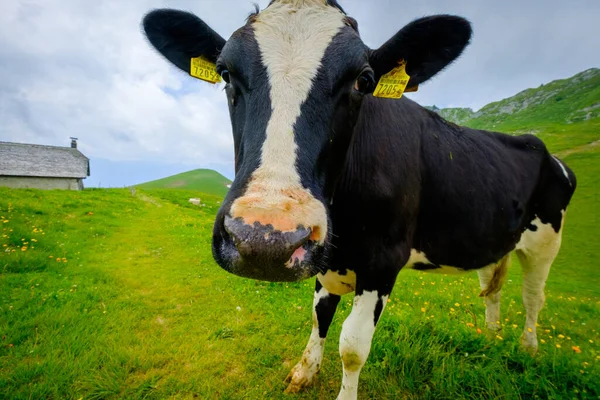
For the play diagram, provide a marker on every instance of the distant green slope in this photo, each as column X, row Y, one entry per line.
column 565, row 113
column 203, row 180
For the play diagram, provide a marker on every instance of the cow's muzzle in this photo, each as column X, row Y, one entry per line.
column 261, row 252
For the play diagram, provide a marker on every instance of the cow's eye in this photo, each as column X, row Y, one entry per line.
column 225, row 75
column 221, row 70
column 365, row 83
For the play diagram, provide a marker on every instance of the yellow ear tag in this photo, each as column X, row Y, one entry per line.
column 392, row 84
column 203, row 69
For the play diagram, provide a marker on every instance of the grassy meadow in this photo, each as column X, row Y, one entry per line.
column 106, row 295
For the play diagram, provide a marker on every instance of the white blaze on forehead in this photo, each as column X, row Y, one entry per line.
column 292, row 37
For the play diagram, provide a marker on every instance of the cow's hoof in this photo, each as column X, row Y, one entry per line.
column 493, row 331
column 528, row 345
column 298, row 378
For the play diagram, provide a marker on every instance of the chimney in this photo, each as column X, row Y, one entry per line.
column 73, row 142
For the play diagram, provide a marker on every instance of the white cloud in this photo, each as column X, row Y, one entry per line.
column 84, row 69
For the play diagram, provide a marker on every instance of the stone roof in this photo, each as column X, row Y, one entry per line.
column 17, row 159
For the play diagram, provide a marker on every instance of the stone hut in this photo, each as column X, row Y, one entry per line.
column 42, row 167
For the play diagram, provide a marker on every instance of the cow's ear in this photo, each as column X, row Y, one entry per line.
column 181, row 36
column 427, row 45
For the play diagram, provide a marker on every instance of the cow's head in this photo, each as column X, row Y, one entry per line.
column 296, row 74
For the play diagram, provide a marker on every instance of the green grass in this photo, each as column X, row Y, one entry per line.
column 136, row 308
column 202, row 180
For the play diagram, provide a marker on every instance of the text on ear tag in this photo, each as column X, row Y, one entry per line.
column 203, row 69
column 392, row 84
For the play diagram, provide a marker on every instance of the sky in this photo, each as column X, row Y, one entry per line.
column 84, row 69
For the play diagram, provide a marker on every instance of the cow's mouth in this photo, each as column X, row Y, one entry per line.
column 262, row 253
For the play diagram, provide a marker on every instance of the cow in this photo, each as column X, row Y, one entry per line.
column 333, row 181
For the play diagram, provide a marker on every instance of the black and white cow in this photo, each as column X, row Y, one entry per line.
column 333, row 182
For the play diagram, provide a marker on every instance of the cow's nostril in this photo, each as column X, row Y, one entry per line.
column 298, row 238
column 260, row 241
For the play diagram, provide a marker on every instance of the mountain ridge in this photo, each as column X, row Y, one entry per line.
column 565, row 101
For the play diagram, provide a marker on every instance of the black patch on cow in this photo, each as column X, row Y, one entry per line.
column 324, row 128
column 531, row 227
column 425, row 266
column 378, row 310
column 325, row 309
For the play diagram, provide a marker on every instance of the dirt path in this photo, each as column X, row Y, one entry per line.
column 579, row 149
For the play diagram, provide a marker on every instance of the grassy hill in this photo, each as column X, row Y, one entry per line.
column 565, row 113
column 203, row 180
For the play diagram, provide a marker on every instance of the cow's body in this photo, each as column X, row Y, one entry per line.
column 420, row 192
column 333, row 182
column 432, row 194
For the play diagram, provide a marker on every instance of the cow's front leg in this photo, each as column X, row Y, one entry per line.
column 324, row 306
column 357, row 333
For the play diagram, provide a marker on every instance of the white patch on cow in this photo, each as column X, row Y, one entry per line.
column 417, row 256
column 564, row 170
column 292, row 37
column 303, row 373
column 338, row 284
column 355, row 341
column 492, row 301
column 536, row 250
